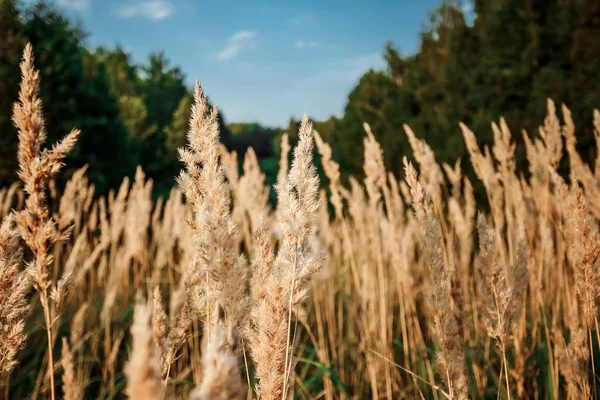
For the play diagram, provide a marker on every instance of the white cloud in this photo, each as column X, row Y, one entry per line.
column 228, row 52
column 303, row 19
column 154, row 10
column 79, row 5
column 303, row 44
column 348, row 72
column 244, row 35
column 239, row 41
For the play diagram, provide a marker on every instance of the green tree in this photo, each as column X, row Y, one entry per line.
column 75, row 93
column 585, row 59
column 125, row 86
column 163, row 87
column 11, row 47
column 385, row 105
column 122, row 75
column 175, row 134
column 134, row 115
column 292, row 130
column 506, row 61
column 327, row 128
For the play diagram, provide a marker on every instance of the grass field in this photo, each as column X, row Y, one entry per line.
column 381, row 288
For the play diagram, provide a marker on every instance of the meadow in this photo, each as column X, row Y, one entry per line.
column 385, row 287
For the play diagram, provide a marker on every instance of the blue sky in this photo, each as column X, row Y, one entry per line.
column 260, row 60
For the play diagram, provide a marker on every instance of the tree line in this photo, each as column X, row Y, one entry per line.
column 505, row 58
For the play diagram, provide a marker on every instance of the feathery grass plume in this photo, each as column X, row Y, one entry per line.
column 90, row 260
column 444, row 295
column 324, row 234
column 169, row 339
column 155, row 219
column 72, row 200
column 461, row 217
column 219, row 274
column 573, row 357
column 37, row 167
column 533, row 204
column 483, row 164
column 584, row 247
column 283, row 158
column 230, row 162
column 112, row 224
column 14, row 286
column 397, row 200
column 143, row 370
column 504, row 153
column 430, row 169
column 137, row 218
column 519, row 274
column 266, row 335
column 299, row 196
column 117, row 206
column 551, row 133
column 579, row 169
column 282, row 173
column 401, row 233
column 519, row 279
column 375, row 301
column 78, row 325
column 544, row 156
column 279, row 285
column 332, row 171
column 78, row 254
column 218, row 281
column 71, row 385
column 454, row 175
column 357, row 203
column 256, row 195
column 221, row 374
column 7, row 199
column 504, row 150
column 60, row 291
column 179, row 333
column 503, row 289
column 448, row 321
column 539, row 181
column 167, row 234
column 375, row 175
column 583, row 253
column 495, row 288
column 159, row 327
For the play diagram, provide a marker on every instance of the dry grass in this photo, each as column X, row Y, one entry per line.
column 408, row 290
column 14, row 286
